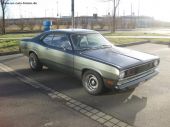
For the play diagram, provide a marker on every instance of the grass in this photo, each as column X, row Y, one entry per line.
column 10, row 45
column 163, row 40
column 133, row 34
column 118, row 41
column 18, row 35
column 22, row 35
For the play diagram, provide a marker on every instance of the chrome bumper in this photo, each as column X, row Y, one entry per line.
column 136, row 80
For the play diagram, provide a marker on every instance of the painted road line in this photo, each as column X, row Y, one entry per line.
column 90, row 112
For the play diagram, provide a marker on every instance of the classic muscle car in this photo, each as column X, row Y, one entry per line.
column 92, row 58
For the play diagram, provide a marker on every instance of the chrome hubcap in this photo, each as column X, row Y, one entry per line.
column 32, row 62
column 91, row 82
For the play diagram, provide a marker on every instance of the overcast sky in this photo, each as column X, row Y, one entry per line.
column 159, row 9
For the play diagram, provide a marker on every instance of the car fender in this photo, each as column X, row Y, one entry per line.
column 92, row 69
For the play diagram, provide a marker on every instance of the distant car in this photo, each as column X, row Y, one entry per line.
column 88, row 55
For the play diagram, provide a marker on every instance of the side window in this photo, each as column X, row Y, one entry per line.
column 48, row 39
column 61, row 41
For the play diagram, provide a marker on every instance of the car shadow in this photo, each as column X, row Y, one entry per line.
column 11, row 87
column 123, row 105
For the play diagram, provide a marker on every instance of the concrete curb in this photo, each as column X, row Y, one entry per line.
column 133, row 43
column 162, row 43
column 9, row 53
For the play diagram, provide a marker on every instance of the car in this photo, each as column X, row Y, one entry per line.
column 92, row 58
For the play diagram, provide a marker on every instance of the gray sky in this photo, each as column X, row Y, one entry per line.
column 159, row 9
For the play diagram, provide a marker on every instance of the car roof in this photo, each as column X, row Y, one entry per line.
column 72, row 31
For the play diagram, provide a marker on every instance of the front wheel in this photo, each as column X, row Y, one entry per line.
column 34, row 62
column 92, row 82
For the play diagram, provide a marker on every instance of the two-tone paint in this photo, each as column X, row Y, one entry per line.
column 108, row 62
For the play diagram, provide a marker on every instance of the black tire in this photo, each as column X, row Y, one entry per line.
column 93, row 82
column 34, row 62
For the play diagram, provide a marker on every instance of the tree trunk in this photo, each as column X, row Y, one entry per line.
column 3, row 21
column 114, row 21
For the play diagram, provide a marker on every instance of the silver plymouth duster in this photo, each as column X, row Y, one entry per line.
column 92, row 58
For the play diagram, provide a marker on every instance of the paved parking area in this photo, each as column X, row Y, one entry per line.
column 146, row 106
column 22, row 105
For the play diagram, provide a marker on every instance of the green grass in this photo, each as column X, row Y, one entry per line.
column 118, row 41
column 133, row 34
column 106, row 34
column 18, row 35
column 163, row 40
column 9, row 46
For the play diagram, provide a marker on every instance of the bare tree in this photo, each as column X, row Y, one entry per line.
column 115, row 6
column 3, row 9
column 21, row 24
column 0, row 25
column 31, row 24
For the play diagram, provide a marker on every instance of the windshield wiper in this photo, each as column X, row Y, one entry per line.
column 105, row 46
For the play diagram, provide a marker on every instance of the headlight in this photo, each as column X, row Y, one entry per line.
column 122, row 75
column 156, row 62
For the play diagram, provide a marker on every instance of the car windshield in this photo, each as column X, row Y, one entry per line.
column 89, row 41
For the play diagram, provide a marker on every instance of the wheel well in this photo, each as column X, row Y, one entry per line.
column 84, row 70
column 31, row 52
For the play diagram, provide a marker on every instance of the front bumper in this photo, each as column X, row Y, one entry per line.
column 132, row 82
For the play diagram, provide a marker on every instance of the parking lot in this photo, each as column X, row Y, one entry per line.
column 146, row 106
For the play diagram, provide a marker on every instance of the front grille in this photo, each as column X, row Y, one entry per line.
column 139, row 69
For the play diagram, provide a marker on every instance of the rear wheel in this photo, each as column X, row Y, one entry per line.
column 92, row 82
column 34, row 62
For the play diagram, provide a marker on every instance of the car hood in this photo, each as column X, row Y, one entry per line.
column 119, row 57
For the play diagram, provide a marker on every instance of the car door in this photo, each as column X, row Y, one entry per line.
column 58, row 52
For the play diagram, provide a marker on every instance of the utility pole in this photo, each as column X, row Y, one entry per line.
column 72, row 11
column 138, row 22
column 57, row 9
column 138, row 8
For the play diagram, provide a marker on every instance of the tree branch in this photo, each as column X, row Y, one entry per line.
column 117, row 4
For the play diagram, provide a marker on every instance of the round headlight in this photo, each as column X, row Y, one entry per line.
column 122, row 75
column 156, row 62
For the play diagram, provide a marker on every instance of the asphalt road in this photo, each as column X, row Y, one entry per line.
column 146, row 106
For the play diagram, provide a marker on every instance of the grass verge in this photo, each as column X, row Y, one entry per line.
column 118, row 41
column 133, row 34
column 7, row 46
column 18, row 35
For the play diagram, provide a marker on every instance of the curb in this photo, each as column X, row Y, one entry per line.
column 162, row 43
column 9, row 53
column 133, row 43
